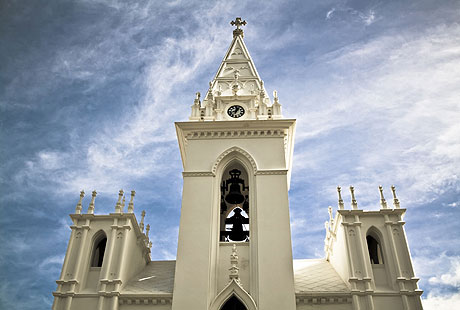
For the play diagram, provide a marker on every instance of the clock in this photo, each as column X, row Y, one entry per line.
column 235, row 111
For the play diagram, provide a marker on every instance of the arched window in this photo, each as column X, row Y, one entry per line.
column 234, row 204
column 375, row 250
column 98, row 250
column 233, row 303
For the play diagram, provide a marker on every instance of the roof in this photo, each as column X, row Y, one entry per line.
column 317, row 275
column 310, row 276
column 156, row 278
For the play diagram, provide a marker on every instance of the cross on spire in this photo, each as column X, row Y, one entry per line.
column 238, row 23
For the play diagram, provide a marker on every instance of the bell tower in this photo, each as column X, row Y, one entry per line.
column 234, row 249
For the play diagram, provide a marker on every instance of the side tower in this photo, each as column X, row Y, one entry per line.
column 370, row 252
column 236, row 152
column 103, row 253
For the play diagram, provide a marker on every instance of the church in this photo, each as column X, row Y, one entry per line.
column 234, row 248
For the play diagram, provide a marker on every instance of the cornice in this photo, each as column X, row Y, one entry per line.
column 197, row 174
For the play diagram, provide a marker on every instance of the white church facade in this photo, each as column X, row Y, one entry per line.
column 234, row 249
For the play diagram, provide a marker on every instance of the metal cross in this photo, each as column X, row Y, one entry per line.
column 238, row 22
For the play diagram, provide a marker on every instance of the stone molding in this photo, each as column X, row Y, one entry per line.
column 197, row 174
column 235, row 134
column 310, row 299
column 231, row 150
column 272, row 172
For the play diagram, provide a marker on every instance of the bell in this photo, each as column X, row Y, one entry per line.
column 234, row 196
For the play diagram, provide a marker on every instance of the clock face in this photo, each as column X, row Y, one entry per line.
column 235, row 111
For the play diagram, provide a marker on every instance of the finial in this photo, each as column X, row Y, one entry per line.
column 275, row 94
column 331, row 220
column 341, row 206
column 354, row 204
column 91, row 204
column 131, row 202
column 234, row 268
column 118, row 205
column 238, row 23
column 123, row 204
column 383, row 202
column 141, row 225
column 395, row 199
column 326, row 225
column 197, row 96
column 78, row 207
column 147, row 229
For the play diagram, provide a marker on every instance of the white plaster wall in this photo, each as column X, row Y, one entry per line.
column 339, row 256
column 202, row 154
column 276, row 279
column 193, row 264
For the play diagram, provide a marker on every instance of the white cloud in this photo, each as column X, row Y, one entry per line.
column 329, row 13
column 452, row 277
column 441, row 302
column 396, row 98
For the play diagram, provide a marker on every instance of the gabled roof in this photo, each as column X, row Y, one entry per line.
column 318, row 276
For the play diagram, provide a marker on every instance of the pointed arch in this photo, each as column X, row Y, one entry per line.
column 236, row 152
column 375, row 246
column 233, row 289
column 98, row 251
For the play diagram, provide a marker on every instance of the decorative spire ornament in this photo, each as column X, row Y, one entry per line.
column 147, row 229
column 234, row 270
column 395, row 199
column 331, row 220
column 383, row 202
column 341, row 205
column 238, row 23
column 123, row 204
column 141, row 225
column 354, row 204
column 78, row 207
column 118, row 205
column 131, row 202
column 91, row 204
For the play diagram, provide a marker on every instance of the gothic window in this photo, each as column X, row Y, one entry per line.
column 234, row 205
column 233, row 303
column 375, row 250
column 98, row 250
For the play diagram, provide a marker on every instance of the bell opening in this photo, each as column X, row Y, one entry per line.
column 234, row 205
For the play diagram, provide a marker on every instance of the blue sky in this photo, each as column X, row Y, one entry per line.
column 89, row 91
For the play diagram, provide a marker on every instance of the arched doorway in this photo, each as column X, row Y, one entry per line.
column 233, row 303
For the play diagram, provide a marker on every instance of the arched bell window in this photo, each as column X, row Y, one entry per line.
column 98, row 250
column 233, row 303
column 234, row 205
column 375, row 250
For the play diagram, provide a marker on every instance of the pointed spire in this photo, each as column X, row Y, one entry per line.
column 395, row 199
column 341, row 205
column 141, row 225
column 238, row 23
column 354, row 204
column 91, row 204
column 383, row 202
column 331, row 219
column 118, row 205
column 131, row 202
column 78, row 207
column 123, row 204
column 147, row 229
column 234, row 270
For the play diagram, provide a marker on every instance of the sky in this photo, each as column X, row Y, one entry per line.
column 90, row 90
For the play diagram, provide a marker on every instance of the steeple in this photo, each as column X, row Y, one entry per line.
column 237, row 92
